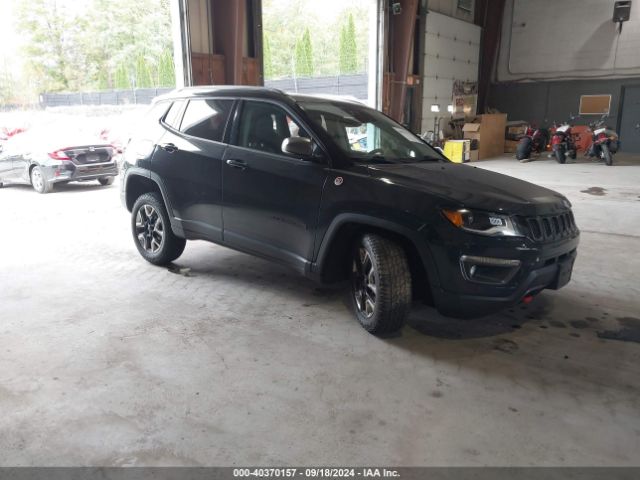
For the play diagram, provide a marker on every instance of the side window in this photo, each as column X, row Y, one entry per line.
column 264, row 126
column 173, row 115
column 206, row 118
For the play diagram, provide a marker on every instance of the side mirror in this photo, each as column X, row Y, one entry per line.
column 298, row 146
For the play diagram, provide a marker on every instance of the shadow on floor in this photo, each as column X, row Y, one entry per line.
column 72, row 187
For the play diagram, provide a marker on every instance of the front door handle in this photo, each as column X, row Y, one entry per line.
column 239, row 164
column 169, row 147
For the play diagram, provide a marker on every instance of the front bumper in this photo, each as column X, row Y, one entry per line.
column 70, row 172
column 540, row 266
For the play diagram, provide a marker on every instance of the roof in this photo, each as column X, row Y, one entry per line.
column 250, row 91
column 224, row 90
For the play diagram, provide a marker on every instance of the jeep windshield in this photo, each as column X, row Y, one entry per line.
column 366, row 135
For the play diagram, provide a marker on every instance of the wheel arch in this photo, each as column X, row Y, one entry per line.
column 137, row 184
column 332, row 262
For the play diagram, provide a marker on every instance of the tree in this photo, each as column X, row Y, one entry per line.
column 166, row 70
column 348, row 47
column 53, row 56
column 266, row 57
column 304, row 55
column 97, row 43
column 122, row 80
column 143, row 73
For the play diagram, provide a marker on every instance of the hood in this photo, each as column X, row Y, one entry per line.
column 473, row 187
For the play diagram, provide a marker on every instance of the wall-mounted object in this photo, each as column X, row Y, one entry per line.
column 621, row 12
column 595, row 104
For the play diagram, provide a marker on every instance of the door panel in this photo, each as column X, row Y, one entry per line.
column 270, row 200
column 630, row 122
column 190, row 163
column 5, row 165
column 192, row 176
column 271, row 204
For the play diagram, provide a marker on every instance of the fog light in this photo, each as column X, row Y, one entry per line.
column 488, row 270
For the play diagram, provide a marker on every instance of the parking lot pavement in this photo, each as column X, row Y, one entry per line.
column 108, row 360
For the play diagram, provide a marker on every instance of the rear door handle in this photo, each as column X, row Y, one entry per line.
column 239, row 164
column 169, row 147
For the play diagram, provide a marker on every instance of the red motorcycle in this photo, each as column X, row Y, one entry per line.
column 534, row 140
column 605, row 141
column 562, row 143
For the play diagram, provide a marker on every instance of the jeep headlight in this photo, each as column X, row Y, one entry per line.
column 483, row 223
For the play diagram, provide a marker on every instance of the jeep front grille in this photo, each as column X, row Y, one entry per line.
column 549, row 228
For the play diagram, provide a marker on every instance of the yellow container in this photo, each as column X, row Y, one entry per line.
column 457, row 150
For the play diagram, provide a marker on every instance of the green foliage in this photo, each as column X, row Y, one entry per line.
column 143, row 73
column 7, row 87
column 53, row 57
column 77, row 46
column 266, row 58
column 285, row 22
column 166, row 69
column 304, row 56
column 348, row 47
column 122, row 80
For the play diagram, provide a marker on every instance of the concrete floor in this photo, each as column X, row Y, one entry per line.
column 107, row 360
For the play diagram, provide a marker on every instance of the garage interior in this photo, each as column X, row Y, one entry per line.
column 228, row 360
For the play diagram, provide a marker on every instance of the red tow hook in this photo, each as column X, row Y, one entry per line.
column 528, row 299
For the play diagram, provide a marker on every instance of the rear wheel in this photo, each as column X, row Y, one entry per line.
column 380, row 285
column 606, row 154
column 543, row 141
column 524, row 149
column 38, row 181
column 561, row 157
column 104, row 181
column 152, row 232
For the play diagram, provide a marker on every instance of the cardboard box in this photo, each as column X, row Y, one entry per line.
column 515, row 129
column 510, row 146
column 489, row 130
column 471, row 131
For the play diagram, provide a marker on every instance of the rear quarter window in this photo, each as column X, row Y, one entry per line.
column 206, row 118
column 173, row 115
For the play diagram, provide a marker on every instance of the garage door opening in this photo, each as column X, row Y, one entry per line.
column 324, row 47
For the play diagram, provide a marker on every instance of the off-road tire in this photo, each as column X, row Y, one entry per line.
column 392, row 280
column 171, row 246
column 523, row 150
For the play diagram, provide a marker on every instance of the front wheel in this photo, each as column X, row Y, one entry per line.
column 561, row 157
column 523, row 150
column 104, row 181
column 152, row 232
column 606, row 154
column 380, row 285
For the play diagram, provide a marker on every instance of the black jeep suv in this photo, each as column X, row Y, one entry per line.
column 339, row 191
